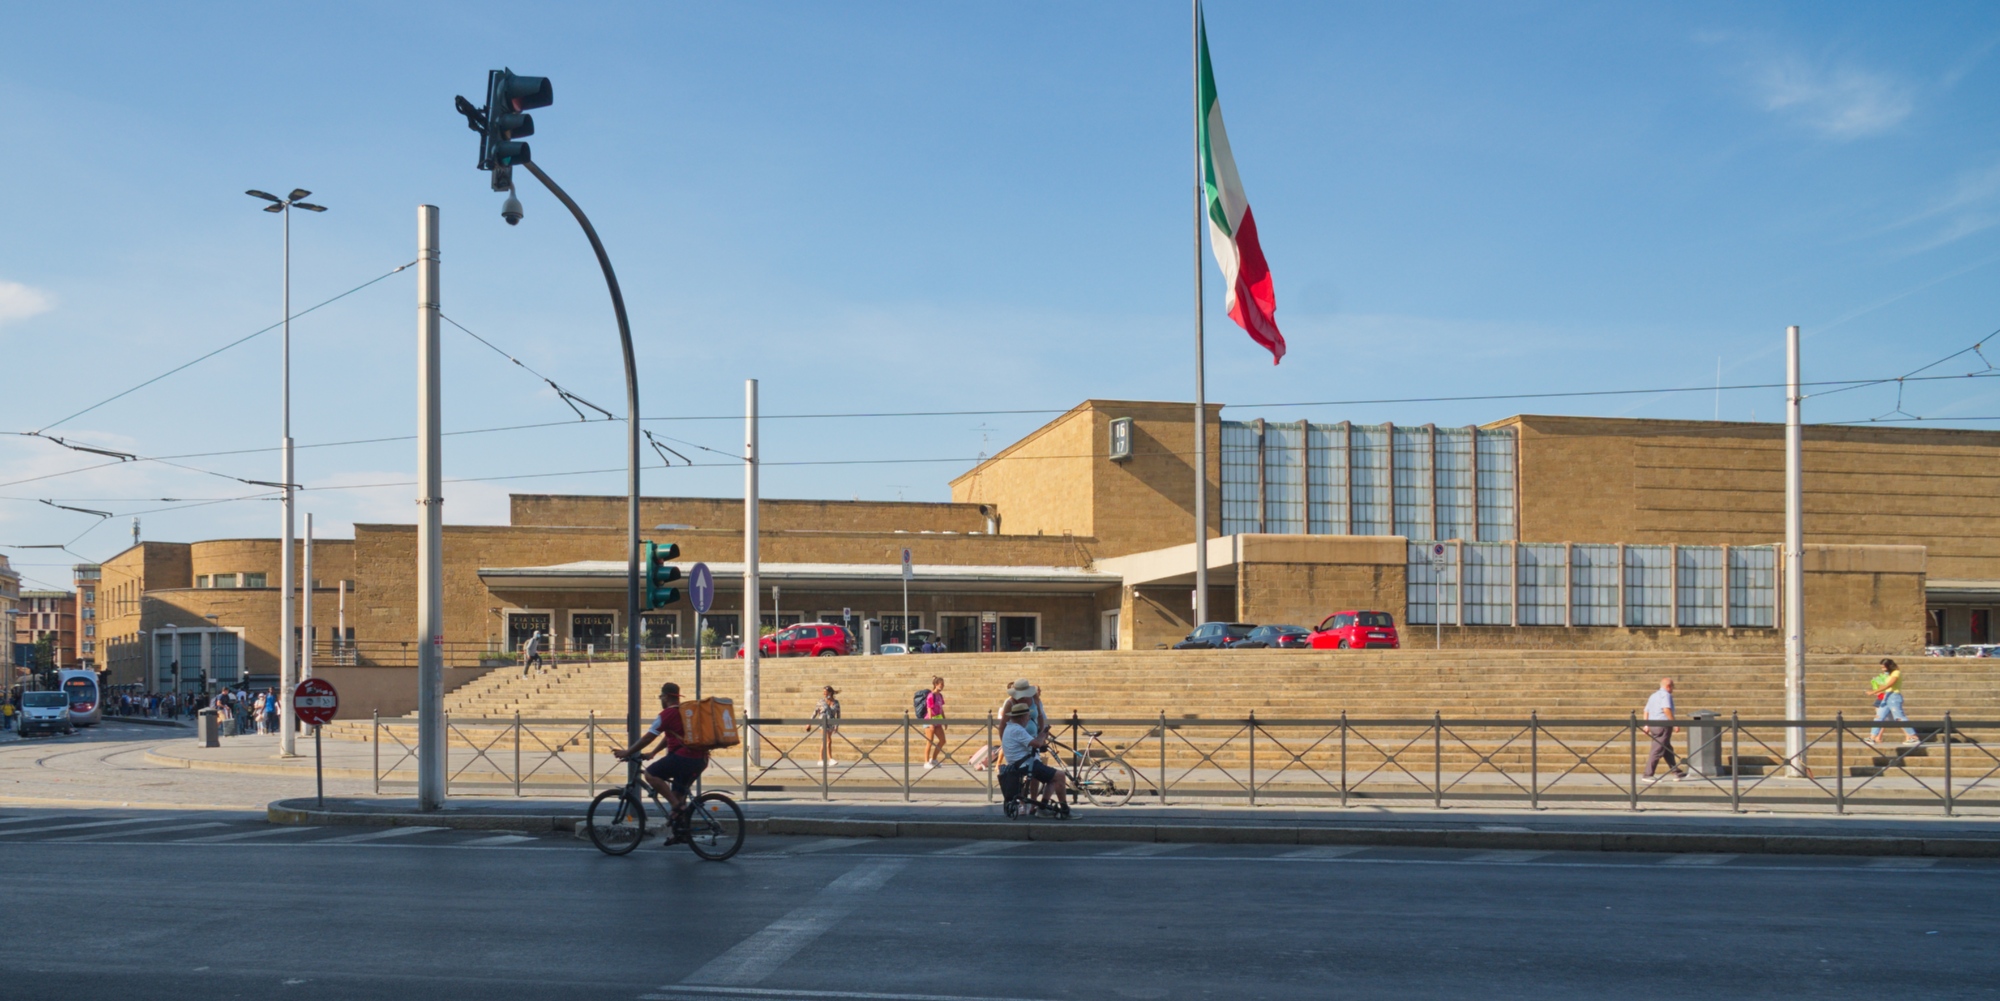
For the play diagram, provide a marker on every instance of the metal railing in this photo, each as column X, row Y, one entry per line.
column 1731, row 763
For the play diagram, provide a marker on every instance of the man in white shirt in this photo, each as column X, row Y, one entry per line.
column 534, row 654
column 1661, row 707
column 1018, row 746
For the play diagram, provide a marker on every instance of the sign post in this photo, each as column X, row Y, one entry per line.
column 316, row 703
column 905, row 637
column 701, row 594
column 1437, row 590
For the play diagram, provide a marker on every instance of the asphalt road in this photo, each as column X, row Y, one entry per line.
column 161, row 904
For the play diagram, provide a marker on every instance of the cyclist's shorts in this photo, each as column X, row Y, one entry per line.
column 678, row 769
column 1033, row 768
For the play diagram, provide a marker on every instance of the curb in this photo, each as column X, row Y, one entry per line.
column 154, row 757
column 1575, row 841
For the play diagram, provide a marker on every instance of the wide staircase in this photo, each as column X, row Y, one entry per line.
column 1475, row 693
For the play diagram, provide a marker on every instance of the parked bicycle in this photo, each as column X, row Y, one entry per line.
column 1095, row 770
column 712, row 825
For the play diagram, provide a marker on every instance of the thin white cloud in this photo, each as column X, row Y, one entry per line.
column 1837, row 101
column 1972, row 205
column 18, row 302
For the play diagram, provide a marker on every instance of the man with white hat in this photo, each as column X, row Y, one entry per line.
column 1023, row 757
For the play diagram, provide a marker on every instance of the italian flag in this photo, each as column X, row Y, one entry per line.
column 1232, row 229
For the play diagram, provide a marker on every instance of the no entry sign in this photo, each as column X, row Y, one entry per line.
column 315, row 701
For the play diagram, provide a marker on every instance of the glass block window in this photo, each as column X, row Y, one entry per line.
column 1239, row 478
column 1540, row 578
column 1453, row 478
column 1698, row 577
column 163, row 657
column 1593, row 585
column 1369, row 463
column 1649, row 585
column 225, row 580
column 1285, row 478
column 1753, row 586
column 225, row 655
column 1427, row 589
column 1326, row 471
column 1496, row 485
column 1489, row 583
column 1413, row 483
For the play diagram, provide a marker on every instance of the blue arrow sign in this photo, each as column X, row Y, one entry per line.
column 701, row 588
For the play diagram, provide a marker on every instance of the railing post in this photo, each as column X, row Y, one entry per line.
column 590, row 763
column 992, row 766
column 517, row 754
column 1840, row 762
column 1343, row 757
column 1632, row 725
column 1534, row 759
column 1253, row 757
column 1735, row 763
column 377, row 714
column 744, row 746
column 1163, row 757
column 444, row 751
column 825, row 786
column 1947, row 765
column 1437, row 759
column 906, row 755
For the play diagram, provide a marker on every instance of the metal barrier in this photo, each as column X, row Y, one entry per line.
column 1434, row 761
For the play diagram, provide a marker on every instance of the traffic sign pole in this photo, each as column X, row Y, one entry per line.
column 906, row 601
column 315, row 703
column 701, row 594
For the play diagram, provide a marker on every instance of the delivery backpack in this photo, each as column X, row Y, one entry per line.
column 707, row 724
column 920, row 703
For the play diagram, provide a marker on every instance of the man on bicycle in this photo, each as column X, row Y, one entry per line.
column 1024, row 761
column 679, row 765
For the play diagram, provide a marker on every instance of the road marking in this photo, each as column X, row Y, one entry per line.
column 1505, row 856
column 1698, row 860
column 1507, row 828
column 980, row 848
column 381, row 835
column 682, row 992
column 1155, row 848
column 1325, row 851
column 72, row 827
column 1901, row 863
column 263, row 832
column 26, row 820
column 149, row 831
column 822, row 845
column 497, row 839
column 760, row 955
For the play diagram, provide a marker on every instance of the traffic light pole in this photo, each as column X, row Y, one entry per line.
column 632, row 465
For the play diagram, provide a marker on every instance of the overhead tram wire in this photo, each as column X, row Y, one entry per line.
column 225, row 347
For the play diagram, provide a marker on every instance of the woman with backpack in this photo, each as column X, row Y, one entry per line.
column 933, row 710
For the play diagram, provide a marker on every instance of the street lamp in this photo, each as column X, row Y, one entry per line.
column 287, row 666
column 174, row 654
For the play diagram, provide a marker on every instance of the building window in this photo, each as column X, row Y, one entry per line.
column 1698, row 575
column 1489, row 583
column 1414, row 496
column 1368, row 463
column 1981, row 623
column 1454, row 484
column 253, row 580
column 1593, row 585
column 1649, row 585
column 90, row 630
column 201, row 580
column 89, row 646
column 661, row 630
column 225, row 580
column 1121, row 439
column 1284, row 478
column 223, row 659
column 1326, row 479
column 1753, row 586
column 90, row 597
column 1540, row 579
column 1239, row 478
column 1432, row 594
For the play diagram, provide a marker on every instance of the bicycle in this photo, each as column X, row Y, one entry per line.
column 1095, row 770
column 712, row 825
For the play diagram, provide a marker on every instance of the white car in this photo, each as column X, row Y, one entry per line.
column 890, row 648
column 45, row 712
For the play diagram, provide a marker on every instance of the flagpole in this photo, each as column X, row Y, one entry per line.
column 1200, row 358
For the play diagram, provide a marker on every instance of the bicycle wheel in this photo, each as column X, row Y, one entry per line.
column 1109, row 782
column 715, row 826
column 616, row 822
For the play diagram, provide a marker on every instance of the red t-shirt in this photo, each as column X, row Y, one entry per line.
column 669, row 725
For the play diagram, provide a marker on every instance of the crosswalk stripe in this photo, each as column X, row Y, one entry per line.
column 980, row 848
column 1901, row 863
column 1154, row 848
column 381, row 835
column 1698, row 860
column 823, row 845
column 25, row 820
column 262, row 832
column 73, row 827
column 497, row 839
column 1505, row 856
column 100, row 835
column 1325, row 851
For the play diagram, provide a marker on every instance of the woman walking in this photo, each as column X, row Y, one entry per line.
column 1887, row 690
column 934, row 733
column 827, row 718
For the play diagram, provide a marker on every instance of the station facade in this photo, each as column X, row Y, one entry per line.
column 1556, row 532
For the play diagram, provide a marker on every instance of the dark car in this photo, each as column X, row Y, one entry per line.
column 1356, row 630
column 1278, row 637
column 1217, row 636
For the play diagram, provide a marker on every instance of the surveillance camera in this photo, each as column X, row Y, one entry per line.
column 510, row 210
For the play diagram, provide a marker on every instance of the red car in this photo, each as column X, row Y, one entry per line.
column 807, row 639
column 1356, row 631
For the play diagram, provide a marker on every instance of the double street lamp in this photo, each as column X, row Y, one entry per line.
column 287, row 657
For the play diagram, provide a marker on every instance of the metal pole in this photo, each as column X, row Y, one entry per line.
column 1437, row 760
column 306, row 613
column 1948, row 804
column 906, row 755
column 1200, row 353
column 1840, row 762
column 992, row 767
column 431, row 765
column 288, row 676
column 340, row 625
column 1534, row 760
column 1735, row 764
column 752, row 586
column 319, row 769
column 1632, row 727
column 1253, row 757
column 517, row 753
column 1163, row 757
column 1343, row 757
column 590, row 780
column 377, row 744
column 1795, row 598
column 632, row 638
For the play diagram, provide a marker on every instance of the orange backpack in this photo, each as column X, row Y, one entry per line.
column 708, row 724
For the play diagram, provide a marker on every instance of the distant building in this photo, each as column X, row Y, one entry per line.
column 49, row 615
column 86, row 576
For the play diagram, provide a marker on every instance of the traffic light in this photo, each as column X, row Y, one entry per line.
column 504, row 122
column 661, row 574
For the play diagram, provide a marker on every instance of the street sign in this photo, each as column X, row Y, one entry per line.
column 1437, row 556
column 701, row 588
column 907, row 575
column 315, row 701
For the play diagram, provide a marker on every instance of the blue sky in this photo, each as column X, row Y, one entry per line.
column 916, row 207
